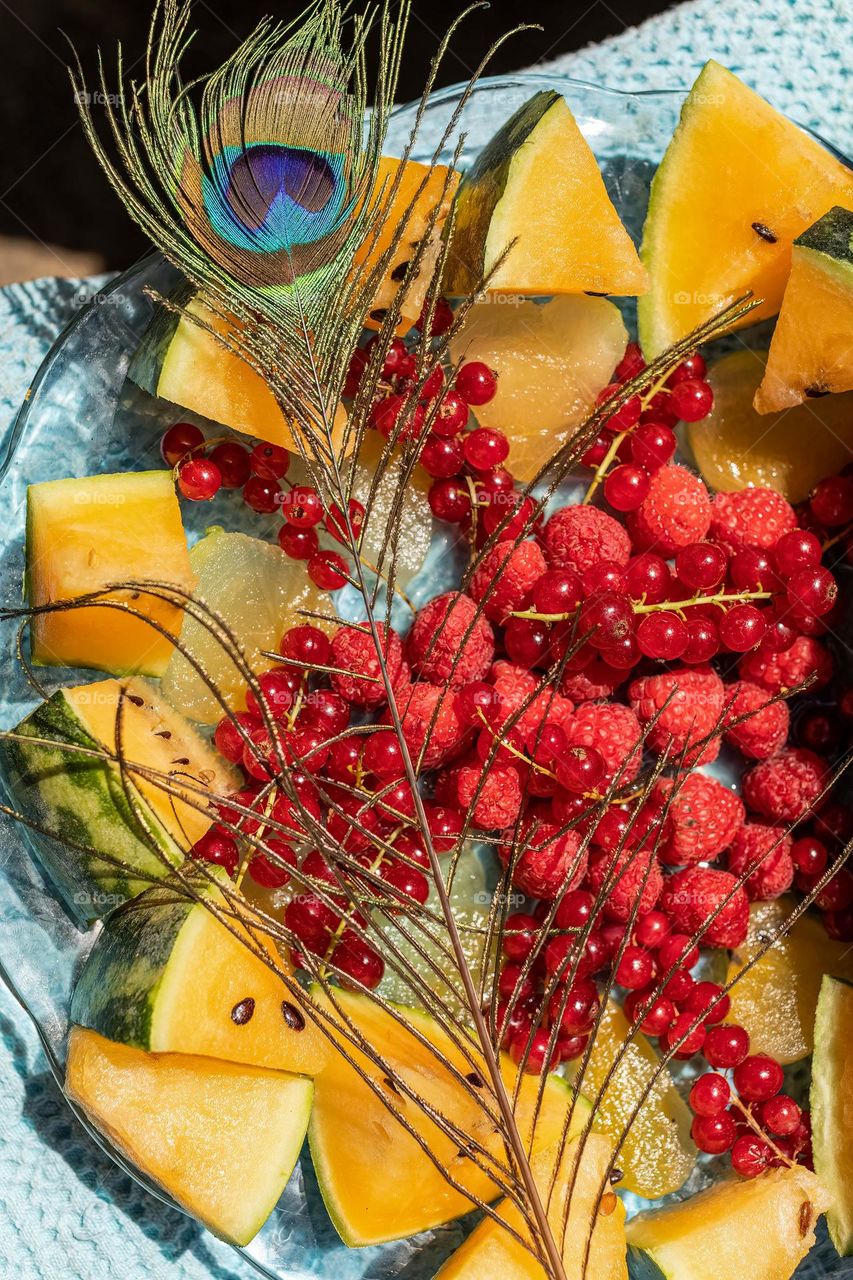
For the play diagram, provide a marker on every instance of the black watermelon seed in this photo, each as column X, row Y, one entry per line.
column 379, row 314
column 136, row 700
column 815, row 393
column 292, row 1016
column 474, row 1079
column 593, row 293
column 400, row 271
column 389, row 1084
column 616, row 1175
column 243, row 1011
column 764, row 231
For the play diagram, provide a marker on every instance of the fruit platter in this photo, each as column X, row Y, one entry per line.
column 426, row 720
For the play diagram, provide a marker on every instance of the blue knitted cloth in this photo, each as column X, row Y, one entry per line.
column 66, row 1212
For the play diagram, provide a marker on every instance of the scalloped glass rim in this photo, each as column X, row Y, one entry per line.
column 41, row 951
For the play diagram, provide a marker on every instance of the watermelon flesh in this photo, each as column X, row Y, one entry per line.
column 222, row 1139
column 83, row 535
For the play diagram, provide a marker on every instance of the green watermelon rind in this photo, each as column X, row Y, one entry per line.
column 827, row 1103
column 483, row 186
column 146, row 366
column 78, row 798
column 121, row 982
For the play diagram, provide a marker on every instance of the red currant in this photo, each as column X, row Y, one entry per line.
column 261, row 494
column 726, row 1046
column 714, row 1134
column 485, row 449
column 269, row 461
column 683, row 1029
column 812, row 590
column 691, row 368
column 750, row 1156
column 648, row 578
column 357, row 961
column 233, row 463
column 519, row 936
column 636, row 968
column 652, row 445
column 701, row 566
column 180, row 442
column 781, row 1115
column 692, row 400
column 742, row 627
column 450, row 500
column 442, row 317
column 631, row 363
column 199, row 479
column 307, row 645
column 799, row 549
column 758, row 1077
column 442, row 457
column 227, row 737
column 328, row 570
column 710, row 1094
column 451, row 416
column 476, row 383
column 217, row 847
column 298, row 544
column 302, row 507
column 832, row 501
column 662, row 635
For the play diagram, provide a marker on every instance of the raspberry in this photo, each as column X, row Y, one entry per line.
column 767, row 850
column 513, row 569
column 690, row 703
column 703, row 819
column 514, row 686
column 625, row 874
column 765, row 728
column 354, row 652
column 450, row 642
column 499, row 801
column 579, row 537
column 785, row 787
column 780, row 671
column 675, row 512
column 598, row 680
column 549, row 862
column 751, row 518
column 691, row 896
column 612, row 729
column 431, row 723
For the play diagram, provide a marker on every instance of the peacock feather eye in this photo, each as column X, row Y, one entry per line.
column 272, row 196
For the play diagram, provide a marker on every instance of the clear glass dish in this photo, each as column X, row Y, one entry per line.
column 83, row 416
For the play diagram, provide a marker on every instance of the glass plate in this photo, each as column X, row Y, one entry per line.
column 83, row 416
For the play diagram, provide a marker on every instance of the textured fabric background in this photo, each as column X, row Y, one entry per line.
column 66, row 1212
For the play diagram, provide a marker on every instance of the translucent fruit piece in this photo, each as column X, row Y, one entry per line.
column 790, row 451
column 551, row 358
column 258, row 592
column 657, row 1154
column 470, row 897
column 411, row 528
column 776, row 999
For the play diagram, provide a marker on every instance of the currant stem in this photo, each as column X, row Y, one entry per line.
column 604, row 466
column 843, row 533
column 666, row 606
column 765, row 1137
column 724, row 598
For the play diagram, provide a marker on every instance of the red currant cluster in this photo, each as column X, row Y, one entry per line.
column 451, row 452
column 639, row 437
column 746, row 1115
